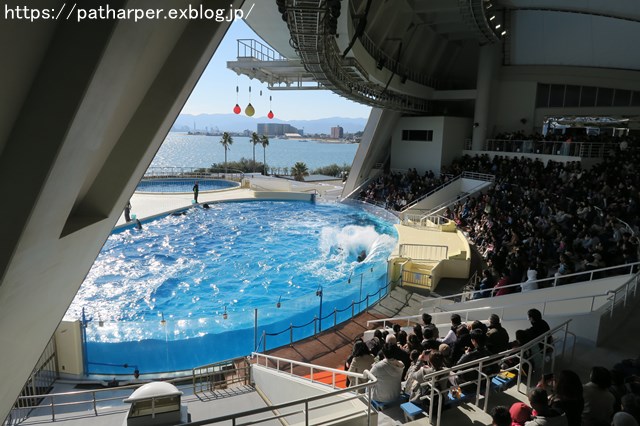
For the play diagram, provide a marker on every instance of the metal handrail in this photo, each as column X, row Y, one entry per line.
column 532, row 146
column 546, row 340
column 276, row 410
column 630, row 286
column 433, row 191
column 27, row 402
column 257, row 50
column 316, row 320
column 189, row 172
column 464, row 295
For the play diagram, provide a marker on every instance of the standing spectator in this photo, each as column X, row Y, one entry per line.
column 598, row 401
column 196, row 189
column 127, row 211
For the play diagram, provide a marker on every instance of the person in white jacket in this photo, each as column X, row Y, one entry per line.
column 389, row 374
column 531, row 283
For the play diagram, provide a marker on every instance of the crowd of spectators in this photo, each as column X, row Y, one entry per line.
column 541, row 220
column 401, row 366
column 396, row 190
column 537, row 220
column 608, row 397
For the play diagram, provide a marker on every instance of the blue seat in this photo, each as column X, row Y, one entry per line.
column 411, row 410
column 379, row 405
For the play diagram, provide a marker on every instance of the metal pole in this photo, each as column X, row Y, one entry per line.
column 255, row 330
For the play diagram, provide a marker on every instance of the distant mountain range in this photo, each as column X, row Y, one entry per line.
column 240, row 122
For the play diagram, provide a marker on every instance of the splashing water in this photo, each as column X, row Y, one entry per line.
column 234, row 257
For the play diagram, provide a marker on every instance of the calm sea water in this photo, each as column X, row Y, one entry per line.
column 183, row 150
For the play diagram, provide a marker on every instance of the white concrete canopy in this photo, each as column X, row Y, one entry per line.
column 84, row 108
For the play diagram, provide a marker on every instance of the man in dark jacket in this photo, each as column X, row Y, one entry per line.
column 538, row 325
column 497, row 336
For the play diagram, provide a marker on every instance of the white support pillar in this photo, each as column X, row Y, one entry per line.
column 487, row 66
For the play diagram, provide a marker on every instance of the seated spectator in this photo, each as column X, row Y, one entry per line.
column 401, row 337
column 531, row 283
column 375, row 344
column 499, row 289
column 618, row 387
column 361, row 359
column 538, row 325
column 630, row 413
column 486, row 284
column 416, row 364
column 598, row 401
column 479, row 325
column 432, row 362
column 567, row 397
column 462, row 343
column 413, row 343
column 477, row 351
column 389, row 374
column 544, row 414
column 520, row 413
column 417, row 330
column 427, row 324
column 445, row 350
column 399, row 354
column 500, row 416
column 497, row 336
column 450, row 338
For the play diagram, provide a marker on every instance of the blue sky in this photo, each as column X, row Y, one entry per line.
column 215, row 93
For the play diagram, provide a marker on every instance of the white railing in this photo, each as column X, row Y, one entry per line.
column 593, row 303
column 190, row 172
column 429, row 221
column 424, row 251
column 609, row 271
column 571, row 149
column 303, row 406
column 433, row 191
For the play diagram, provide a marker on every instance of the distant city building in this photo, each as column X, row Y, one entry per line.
column 337, row 132
column 275, row 129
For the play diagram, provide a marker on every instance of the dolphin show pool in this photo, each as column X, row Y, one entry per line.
column 189, row 289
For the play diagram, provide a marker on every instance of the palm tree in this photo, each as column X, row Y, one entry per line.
column 264, row 140
column 255, row 140
column 226, row 141
column 299, row 171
